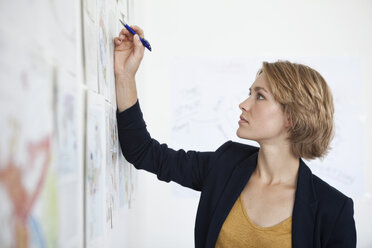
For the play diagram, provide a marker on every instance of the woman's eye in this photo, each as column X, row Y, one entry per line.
column 260, row 97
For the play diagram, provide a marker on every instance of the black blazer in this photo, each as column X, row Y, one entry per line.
column 322, row 216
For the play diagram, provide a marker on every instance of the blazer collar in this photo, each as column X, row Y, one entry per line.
column 304, row 210
column 305, row 188
column 234, row 187
column 304, row 206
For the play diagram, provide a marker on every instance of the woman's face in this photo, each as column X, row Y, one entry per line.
column 263, row 118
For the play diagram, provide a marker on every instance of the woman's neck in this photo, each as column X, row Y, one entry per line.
column 277, row 165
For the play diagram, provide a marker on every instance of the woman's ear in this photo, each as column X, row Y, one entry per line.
column 288, row 122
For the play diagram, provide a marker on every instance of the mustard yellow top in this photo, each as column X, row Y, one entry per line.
column 239, row 231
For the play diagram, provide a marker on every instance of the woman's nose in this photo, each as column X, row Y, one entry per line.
column 244, row 105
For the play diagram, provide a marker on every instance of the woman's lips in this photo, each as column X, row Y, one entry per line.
column 242, row 120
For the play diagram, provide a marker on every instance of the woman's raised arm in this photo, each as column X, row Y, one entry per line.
column 186, row 168
column 128, row 55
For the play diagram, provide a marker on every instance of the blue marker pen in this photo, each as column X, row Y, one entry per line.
column 143, row 40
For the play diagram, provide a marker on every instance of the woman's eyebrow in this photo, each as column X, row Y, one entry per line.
column 257, row 88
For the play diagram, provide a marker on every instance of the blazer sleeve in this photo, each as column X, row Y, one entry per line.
column 188, row 169
column 344, row 232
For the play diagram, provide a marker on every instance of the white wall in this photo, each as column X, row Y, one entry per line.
column 238, row 28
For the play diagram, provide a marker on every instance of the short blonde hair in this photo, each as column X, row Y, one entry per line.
column 308, row 102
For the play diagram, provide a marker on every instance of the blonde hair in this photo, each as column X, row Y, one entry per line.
column 308, row 102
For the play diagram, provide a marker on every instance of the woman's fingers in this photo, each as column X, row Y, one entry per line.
column 138, row 30
column 118, row 41
column 126, row 34
column 138, row 48
column 129, row 35
column 123, row 37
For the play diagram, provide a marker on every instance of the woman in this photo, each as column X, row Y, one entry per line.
column 250, row 196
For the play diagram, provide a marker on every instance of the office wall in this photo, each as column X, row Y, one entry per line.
column 309, row 31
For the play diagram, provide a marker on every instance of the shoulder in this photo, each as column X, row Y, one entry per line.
column 335, row 213
column 230, row 154
column 334, row 207
column 326, row 193
column 225, row 159
column 312, row 188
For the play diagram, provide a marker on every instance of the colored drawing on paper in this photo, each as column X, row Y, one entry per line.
column 96, row 159
column 25, row 148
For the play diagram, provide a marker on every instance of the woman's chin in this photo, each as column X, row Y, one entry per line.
column 241, row 135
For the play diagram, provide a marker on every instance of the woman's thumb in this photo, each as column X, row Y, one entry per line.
column 138, row 49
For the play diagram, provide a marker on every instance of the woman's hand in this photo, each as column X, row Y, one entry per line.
column 128, row 53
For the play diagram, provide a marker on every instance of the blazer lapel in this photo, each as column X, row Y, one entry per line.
column 234, row 187
column 305, row 206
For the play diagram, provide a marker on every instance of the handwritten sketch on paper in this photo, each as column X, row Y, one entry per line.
column 127, row 182
column 65, row 110
column 206, row 92
column 112, row 187
column 102, row 47
column 67, row 163
column 90, row 45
